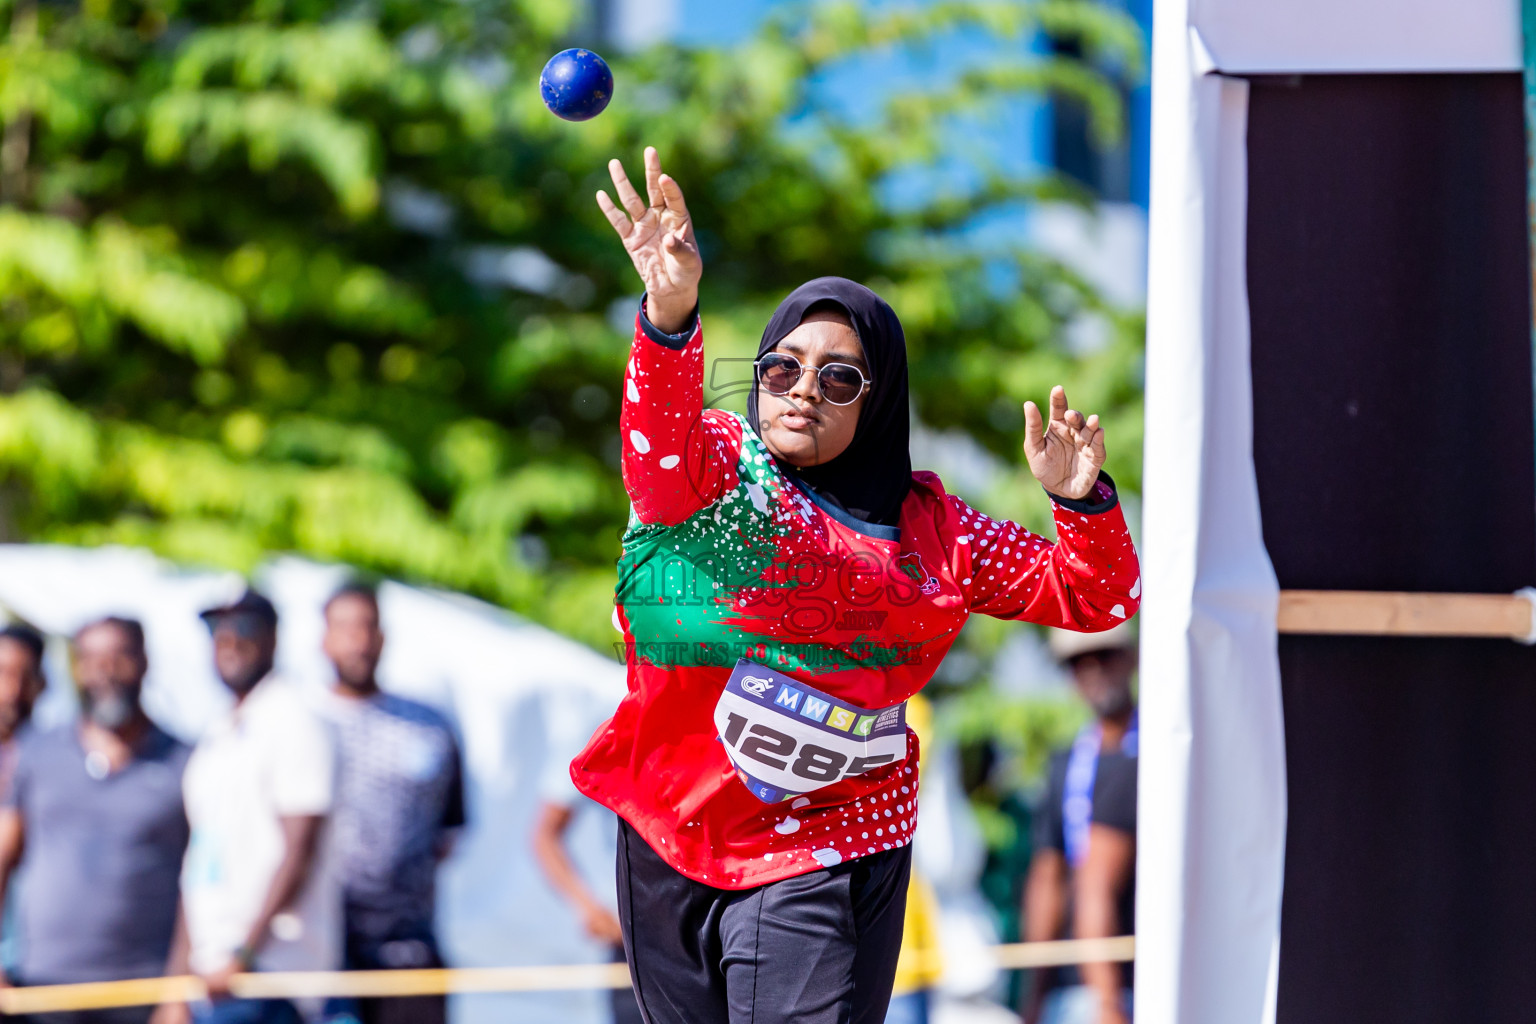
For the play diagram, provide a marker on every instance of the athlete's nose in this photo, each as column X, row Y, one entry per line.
column 808, row 387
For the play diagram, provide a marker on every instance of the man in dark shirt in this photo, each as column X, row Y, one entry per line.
column 94, row 808
column 1082, row 879
column 399, row 803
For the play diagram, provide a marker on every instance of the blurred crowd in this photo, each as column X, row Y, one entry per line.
column 297, row 834
column 304, row 830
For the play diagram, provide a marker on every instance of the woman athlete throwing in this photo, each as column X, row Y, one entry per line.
column 787, row 582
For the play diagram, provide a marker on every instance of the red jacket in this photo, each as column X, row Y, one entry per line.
column 725, row 558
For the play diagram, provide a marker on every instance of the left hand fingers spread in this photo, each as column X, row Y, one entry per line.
column 673, row 193
column 653, row 177
column 676, row 243
column 615, row 215
column 625, row 191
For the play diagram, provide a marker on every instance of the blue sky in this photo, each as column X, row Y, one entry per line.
column 1016, row 135
column 711, row 21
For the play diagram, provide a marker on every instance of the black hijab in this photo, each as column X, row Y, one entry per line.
column 869, row 479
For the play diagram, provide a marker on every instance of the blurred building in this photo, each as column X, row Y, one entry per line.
column 632, row 24
column 1108, row 248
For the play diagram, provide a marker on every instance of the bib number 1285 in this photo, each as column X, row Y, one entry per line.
column 812, row 762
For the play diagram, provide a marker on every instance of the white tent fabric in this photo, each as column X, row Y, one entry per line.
column 1352, row 36
column 1211, row 821
column 523, row 698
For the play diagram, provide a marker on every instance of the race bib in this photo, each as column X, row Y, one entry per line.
column 785, row 738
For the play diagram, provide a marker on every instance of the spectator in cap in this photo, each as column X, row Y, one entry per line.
column 399, row 805
column 1082, row 878
column 93, row 811
column 256, row 892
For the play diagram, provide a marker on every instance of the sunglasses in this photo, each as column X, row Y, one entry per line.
column 840, row 383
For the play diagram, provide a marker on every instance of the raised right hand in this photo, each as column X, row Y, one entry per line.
column 1065, row 452
column 659, row 239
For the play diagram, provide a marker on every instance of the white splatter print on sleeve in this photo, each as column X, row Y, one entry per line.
column 678, row 457
column 1089, row 580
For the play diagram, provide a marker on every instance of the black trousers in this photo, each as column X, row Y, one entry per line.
column 120, row 1015
column 819, row 948
column 403, row 1010
column 405, row 948
column 623, row 1007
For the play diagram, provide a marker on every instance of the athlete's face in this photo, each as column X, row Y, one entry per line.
column 802, row 427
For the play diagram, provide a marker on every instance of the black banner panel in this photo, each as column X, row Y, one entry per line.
column 1389, row 290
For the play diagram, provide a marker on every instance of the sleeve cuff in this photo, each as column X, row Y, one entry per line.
column 1103, row 497
column 676, row 342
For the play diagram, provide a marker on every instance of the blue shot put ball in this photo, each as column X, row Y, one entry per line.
column 576, row 84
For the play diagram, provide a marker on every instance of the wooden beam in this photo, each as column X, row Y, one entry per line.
column 1388, row 613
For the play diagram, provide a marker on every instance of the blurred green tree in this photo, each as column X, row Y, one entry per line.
column 280, row 277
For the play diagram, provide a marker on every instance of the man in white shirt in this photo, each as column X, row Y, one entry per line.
column 256, row 893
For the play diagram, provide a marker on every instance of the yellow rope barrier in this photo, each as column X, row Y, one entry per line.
column 101, row 995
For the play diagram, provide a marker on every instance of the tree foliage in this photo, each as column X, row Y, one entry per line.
column 280, row 277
